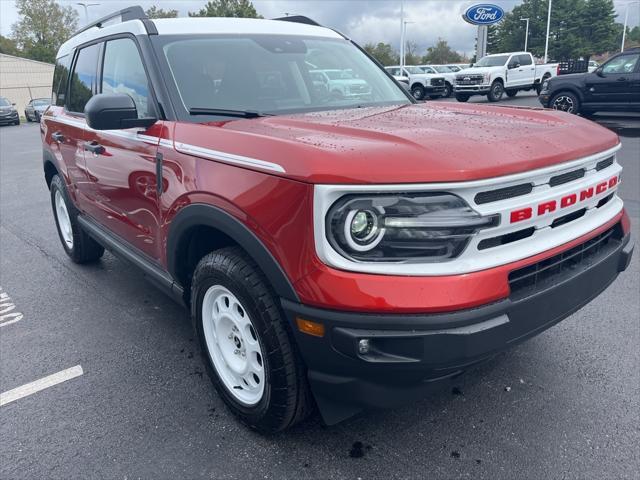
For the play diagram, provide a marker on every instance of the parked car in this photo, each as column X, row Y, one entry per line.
column 342, row 253
column 34, row 109
column 614, row 86
column 445, row 72
column 341, row 83
column 421, row 84
column 8, row 113
column 495, row 75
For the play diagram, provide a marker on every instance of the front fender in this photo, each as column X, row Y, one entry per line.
column 199, row 214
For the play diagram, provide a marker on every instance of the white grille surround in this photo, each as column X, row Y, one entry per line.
column 473, row 259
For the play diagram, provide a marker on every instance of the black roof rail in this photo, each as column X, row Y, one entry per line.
column 299, row 19
column 130, row 13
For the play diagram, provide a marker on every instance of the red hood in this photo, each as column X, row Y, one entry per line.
column 432, row 142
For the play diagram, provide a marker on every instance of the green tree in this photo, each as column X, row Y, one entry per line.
column 411, row 56
column 578, row 28
column 155, row 12
column 8, row 46
column 633, row 37
column 43, row 27
column 441, row 52
column 227, row 8
column 383, row 52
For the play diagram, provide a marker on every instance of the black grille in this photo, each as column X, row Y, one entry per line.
column 469, row 79
column 533, row 278
column 503, row 193
column 602, row 164
column 566, row 177
column 505, row 239
column 568, row 218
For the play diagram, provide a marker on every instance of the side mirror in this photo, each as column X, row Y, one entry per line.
column 600, row 72
column 13, row 104
column 114, row 111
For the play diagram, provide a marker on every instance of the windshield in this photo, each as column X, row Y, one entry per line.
column 41, row 102
column 274, row 74
column 4, row 102
column 496, row 61
column 443, row 69
column 414, row 70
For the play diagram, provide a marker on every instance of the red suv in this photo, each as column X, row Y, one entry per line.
column 340, row 251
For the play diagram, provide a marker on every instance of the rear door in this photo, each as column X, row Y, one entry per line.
column 64, row 122
column 121, row 164
column 617, row 83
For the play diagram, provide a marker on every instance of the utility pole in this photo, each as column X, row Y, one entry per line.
column 546, row 45
column 86, row 10
column 526, row 35
column 626, row 21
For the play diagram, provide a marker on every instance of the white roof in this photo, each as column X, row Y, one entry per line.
column 201, row 25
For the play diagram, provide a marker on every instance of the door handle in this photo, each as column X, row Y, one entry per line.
column 57, row 137
column 622, row 79
column 94, row 147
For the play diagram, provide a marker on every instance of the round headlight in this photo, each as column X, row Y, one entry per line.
column 362, row 231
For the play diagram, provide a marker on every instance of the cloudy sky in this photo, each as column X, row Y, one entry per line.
column 363, row 20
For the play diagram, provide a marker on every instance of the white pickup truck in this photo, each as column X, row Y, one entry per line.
column 421, row 84
column 495, row 75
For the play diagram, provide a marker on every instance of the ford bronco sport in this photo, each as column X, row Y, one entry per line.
column 342, row 252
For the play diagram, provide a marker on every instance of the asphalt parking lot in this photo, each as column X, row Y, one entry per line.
column 566, row 404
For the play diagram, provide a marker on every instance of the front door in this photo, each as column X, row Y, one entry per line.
column 615, row 82
column 121, row 164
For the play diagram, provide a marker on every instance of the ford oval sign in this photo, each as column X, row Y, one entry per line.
column 484, row 14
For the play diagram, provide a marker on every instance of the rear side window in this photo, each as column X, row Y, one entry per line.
column 525, row 60
column 123, row 72
column 83, row 79
column 60, row 81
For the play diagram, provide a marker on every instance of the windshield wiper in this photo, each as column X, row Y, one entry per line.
column 228, row 113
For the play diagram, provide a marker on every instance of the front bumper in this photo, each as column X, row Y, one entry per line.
column 545, row 99
column 408, row 354
column 13, row 117
column 472, row 89
column 434, row 90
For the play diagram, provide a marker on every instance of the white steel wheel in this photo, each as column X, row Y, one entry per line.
column 64, row 222
column 233, row 345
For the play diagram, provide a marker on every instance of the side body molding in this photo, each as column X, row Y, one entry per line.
column 199, row 214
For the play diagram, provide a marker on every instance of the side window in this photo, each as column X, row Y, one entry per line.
column 621, row 64
column 60, row 81
column 83, row 78
column 525, row 60
column 123, row 72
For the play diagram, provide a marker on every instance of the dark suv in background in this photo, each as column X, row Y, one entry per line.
column 614, row 86
column 8, row 113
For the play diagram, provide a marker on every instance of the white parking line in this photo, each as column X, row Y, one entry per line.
column 41, row 384
column 6, row 306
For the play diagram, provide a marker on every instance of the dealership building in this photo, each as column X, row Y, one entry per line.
column 22, row 79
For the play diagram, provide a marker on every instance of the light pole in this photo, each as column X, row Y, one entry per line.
column 626, row 20
column 404, row 36
column 86, row 10
column 526, row 35
column 546, row 44
column 401, row 34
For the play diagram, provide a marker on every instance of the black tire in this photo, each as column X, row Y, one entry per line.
column 84, row 249
column 448, row 90
column 511, row 93
column 565, row 101
column 26, row 117
column 496, row 91
column 37, row 120
column 417, row 91
column 286, row 399
column 462, row 97
column 17, row 122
